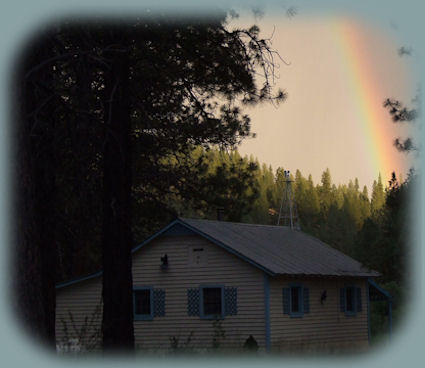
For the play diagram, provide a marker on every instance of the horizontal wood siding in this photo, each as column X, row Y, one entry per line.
column 221, row 268
column 79, row 314
column 325, row 327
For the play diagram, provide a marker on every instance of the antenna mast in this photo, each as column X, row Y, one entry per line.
column 288, row 209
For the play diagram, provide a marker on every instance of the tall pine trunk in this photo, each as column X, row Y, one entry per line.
column 34, row 185
column 117, row 323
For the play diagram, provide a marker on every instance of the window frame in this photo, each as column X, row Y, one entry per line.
column 300, row 312
column 354, row 300
column 143, row 317
column 201, row 301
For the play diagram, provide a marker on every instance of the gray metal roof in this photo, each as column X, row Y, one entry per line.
column 280, row 250
column 276, row 250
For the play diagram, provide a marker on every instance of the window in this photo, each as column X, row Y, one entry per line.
column 351, row 300
column 143, row 303
column 148, row 303
column 212, row 302
column 295, row 301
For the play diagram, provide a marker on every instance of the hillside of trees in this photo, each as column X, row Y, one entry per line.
column 370, row 227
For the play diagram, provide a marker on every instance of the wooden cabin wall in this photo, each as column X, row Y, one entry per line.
column 221, row 268
column 79, row 316
column 325, row 327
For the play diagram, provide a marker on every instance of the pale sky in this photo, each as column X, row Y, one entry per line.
column 321, row 124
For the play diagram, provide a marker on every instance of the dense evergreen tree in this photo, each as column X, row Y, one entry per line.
column 308, row 202
column 378, row 196
column 364, row 203
column 152, row 89
column 382, row 242
column 35, row 171
column 226, row 181
column 325, row 192
column 263, row 210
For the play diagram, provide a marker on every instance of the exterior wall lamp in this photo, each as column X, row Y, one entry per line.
column 164, row 262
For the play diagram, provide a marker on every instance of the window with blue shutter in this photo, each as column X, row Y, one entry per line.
column 212, row 302
column 350, row 306
column 143, row 303
column 351, row 300
column 148, row 303
column 295, row 301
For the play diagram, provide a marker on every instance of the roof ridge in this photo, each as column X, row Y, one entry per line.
column 235, row 223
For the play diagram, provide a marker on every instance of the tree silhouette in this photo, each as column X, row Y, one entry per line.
column 141, row 92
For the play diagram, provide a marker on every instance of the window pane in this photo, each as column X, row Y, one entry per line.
column 295, row 299
column 349, row 298
column 142, row 301
column 212, row 301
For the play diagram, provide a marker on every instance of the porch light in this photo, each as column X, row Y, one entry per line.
column 164, row 262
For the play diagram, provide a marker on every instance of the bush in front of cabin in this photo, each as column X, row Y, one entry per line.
column 84, row 338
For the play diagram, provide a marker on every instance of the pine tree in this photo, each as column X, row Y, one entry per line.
column 325, row 192
column 364, row 203
column 154, row 87
column 378, row 196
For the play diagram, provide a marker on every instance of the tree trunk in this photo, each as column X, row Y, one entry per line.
column 117, row 239
column 34, row 176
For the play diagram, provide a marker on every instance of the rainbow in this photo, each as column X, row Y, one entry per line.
column 365, row 90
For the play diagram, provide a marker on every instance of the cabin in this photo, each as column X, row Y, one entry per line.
column 201, row 285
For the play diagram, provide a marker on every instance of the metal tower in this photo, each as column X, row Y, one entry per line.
column 288, row 209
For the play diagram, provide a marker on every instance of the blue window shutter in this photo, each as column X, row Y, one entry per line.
column 193, row 302
column 306, row 301
column 342, row 300
column 359, row 299
column 158, row 303
column 230, row 301
column 285, row 301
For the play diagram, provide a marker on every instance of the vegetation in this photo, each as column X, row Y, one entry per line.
column 106, row 114
column 84, row 338
column 178, row 346
column 370, row 228
column 374, row 229
column 121, row 128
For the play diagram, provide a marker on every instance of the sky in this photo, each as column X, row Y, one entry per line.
column 341, row 68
